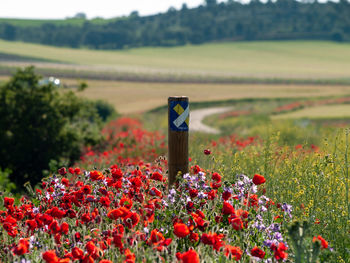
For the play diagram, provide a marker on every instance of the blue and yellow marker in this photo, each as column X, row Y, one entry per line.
column 179, row 115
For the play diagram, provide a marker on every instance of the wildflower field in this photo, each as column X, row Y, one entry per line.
column 253, row 194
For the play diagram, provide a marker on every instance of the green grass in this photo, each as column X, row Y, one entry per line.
column 12, row 57
column 326, row 111
column 315, row 183
column 260, row 60
column 314, row 179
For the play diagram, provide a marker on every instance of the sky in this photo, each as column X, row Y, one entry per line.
column 60, row 9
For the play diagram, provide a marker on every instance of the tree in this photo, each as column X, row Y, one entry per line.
column 134, row 14
column 38, row 124
column 9, row 32
column 80, row 15
column 210, row 3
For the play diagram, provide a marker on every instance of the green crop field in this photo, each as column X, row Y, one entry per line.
column 326, row 111
column 283, row 60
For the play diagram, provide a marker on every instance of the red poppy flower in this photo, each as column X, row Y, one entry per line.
column 157, row 176
column 86, row 218
column 200, row 213
column 257, row 252
column 214, row 240
column 211, row 194
column 11, row 231
column 208, row 239
column 22, row 247
column 77, row 253
column 64, row 228
column 88, row 259
column 194, row 237
column 65, row 182
column 117, row 213
column 96, row 175
column 86, row 189
column 117, row 173
column 279, row 252
column 131, row 220
column 237, row 223
column 54, row 227
column 218, row 242
column 126, row 202
column 207, row 152
column 324, row 243
column 77, row 171
column 8, row 202
column 50, row 256
column 234, row 252
column 216, row 177
column 227, row 209
column 156, row 237
column 56, row 212
column 105, row 201
column 155, row 192
column 258, row 179
column 226, row 195
column 90, row 247
column 193, row 193
column 196, row 169
column 47, row 219
column 62, row 171
column 181, row 230
column 32, row 224
column 129, row 257
column 190, row 256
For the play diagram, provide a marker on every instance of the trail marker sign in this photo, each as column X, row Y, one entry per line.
column 179, row 115
column 178, row 127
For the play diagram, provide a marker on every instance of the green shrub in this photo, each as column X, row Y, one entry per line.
column 39, row 124
column 105, row 110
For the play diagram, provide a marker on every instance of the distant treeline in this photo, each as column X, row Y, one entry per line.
column 212, row 21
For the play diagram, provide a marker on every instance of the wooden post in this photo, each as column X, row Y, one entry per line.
column 178, row 125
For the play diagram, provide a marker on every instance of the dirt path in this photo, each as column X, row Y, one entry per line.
column 197, row 116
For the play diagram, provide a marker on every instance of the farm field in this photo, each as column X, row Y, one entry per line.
column 329, row 111
column 286, row 60
column 146, row 96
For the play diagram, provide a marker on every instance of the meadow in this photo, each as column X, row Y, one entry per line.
column 245, row 199
column 329, row 111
